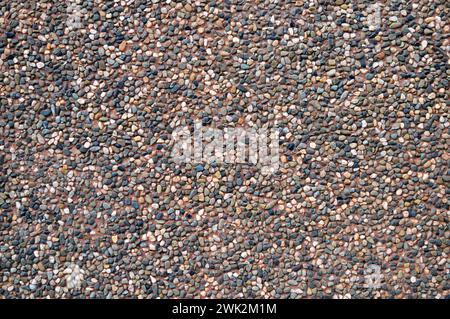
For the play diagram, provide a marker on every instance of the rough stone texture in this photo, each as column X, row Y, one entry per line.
column 87, row 110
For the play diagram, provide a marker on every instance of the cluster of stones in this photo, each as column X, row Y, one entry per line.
column 93, row 206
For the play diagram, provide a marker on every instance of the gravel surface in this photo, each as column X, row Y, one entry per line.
column 92, row 205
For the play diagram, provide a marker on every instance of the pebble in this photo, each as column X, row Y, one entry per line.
column 93, row 204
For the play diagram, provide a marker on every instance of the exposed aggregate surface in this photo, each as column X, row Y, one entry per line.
column 93, row 206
